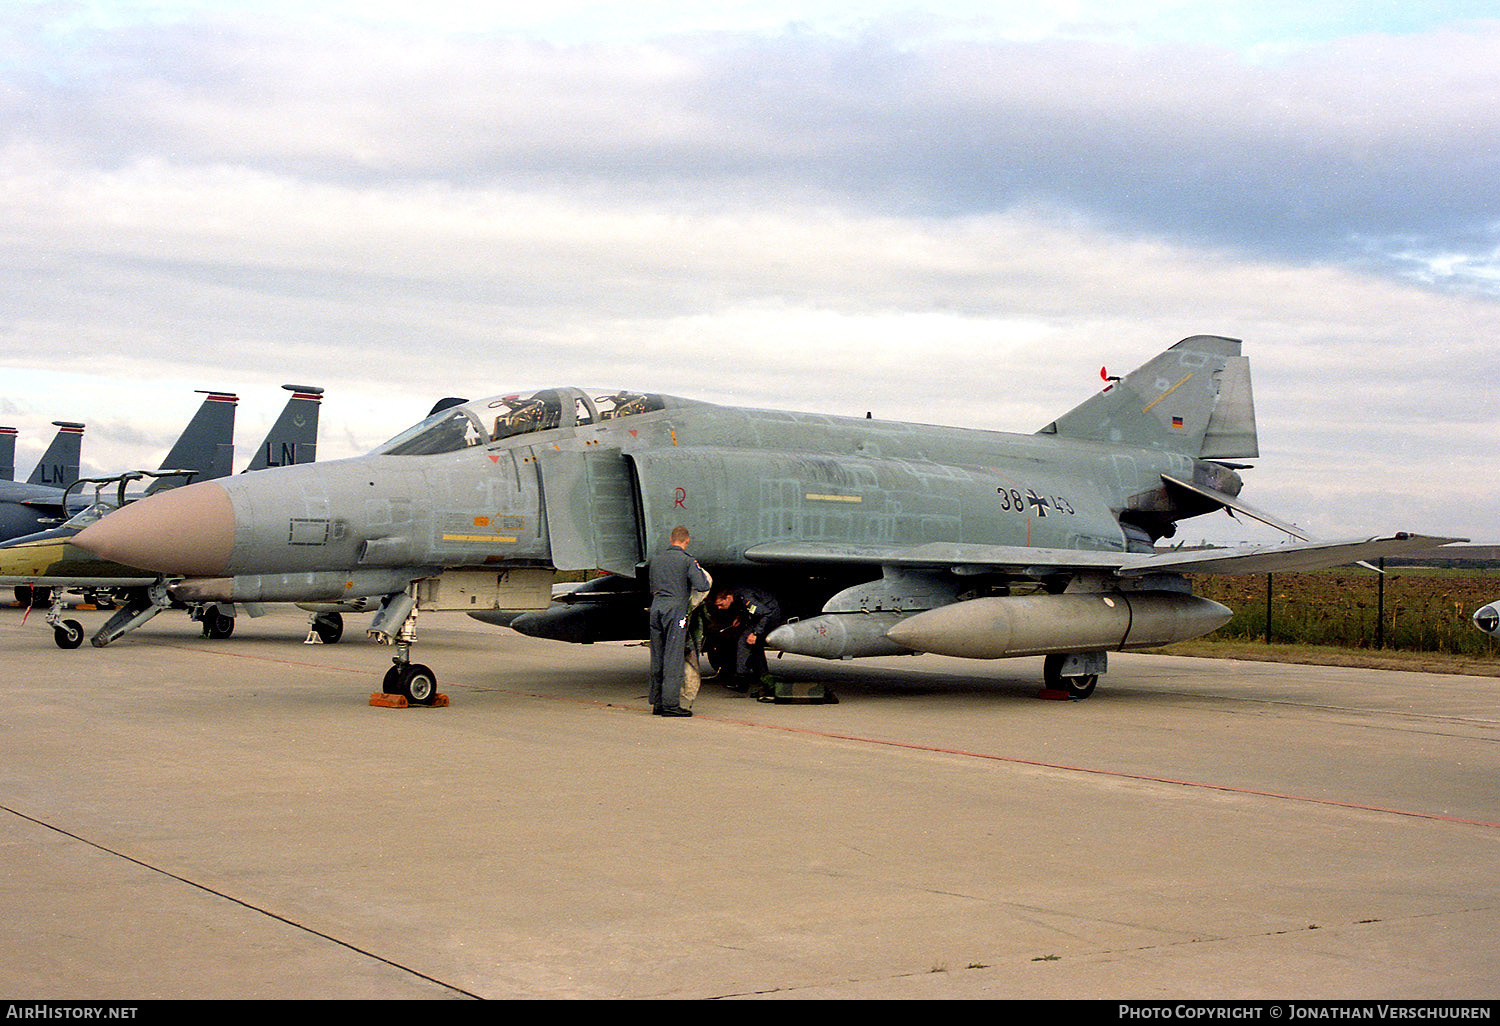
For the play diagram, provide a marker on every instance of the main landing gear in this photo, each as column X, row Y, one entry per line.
column 324, row 629
column 1074, row 674
column 217, row 624
column 396, row 624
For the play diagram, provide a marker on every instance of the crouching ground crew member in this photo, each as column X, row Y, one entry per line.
column 753, row 614
column 674, row 576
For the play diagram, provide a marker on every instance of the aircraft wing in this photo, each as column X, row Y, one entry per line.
column 1037, row 562
column 1310, row 555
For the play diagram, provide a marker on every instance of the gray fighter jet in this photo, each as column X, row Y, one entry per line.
column 876, row 537
column 48, row 561
column 37, row 503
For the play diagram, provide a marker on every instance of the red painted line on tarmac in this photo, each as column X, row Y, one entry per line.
column 964, row 753
column 1018, row 761
column 197, row 650
column 1126, row 775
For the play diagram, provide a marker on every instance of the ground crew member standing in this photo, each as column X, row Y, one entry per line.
column 674, row 576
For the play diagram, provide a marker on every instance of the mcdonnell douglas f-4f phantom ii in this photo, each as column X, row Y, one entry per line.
column 879, row 537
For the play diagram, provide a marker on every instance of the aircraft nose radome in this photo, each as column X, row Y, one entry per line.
column 187, row 531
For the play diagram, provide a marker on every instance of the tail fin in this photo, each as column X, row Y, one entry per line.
column 7, row 454
column 1193, row 399
column 294, row 436
column 58, row 466
column 206, row 445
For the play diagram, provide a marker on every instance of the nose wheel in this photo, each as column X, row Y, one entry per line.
column 412, row 681
column 396, row 624
column 68, row 634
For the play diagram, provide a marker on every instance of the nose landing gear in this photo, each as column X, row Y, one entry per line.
column 414, row 683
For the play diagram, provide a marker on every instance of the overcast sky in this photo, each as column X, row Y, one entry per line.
column 935, row 212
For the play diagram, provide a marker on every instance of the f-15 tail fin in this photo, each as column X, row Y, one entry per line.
column 58, row 466
column 294, row 436
column 206, row 445
column 1193, row 399
column 7, row 453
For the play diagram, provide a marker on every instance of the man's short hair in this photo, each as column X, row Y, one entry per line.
column 679, row 534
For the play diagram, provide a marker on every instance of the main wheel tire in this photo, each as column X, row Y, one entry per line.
column 68, row 634
column 1080, row 687
column 329, row 627
column 217, row 626
column 419, row 684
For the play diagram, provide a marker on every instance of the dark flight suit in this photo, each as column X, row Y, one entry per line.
column 674, row 576
column 759, row 613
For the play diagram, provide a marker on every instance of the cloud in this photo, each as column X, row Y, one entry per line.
column 1372, row 147
column 941, row 227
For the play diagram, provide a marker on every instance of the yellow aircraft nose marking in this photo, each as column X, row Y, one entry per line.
column 497, row 539
column 834, row 498
column 32, row 558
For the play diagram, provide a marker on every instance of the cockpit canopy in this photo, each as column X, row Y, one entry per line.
column 492, row 420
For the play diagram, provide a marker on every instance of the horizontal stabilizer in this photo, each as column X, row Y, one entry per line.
column 1234, row 504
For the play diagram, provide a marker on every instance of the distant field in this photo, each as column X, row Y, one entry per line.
column 1424, row 610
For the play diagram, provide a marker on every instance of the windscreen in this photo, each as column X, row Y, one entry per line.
column 447, row 431
column 491, row 420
